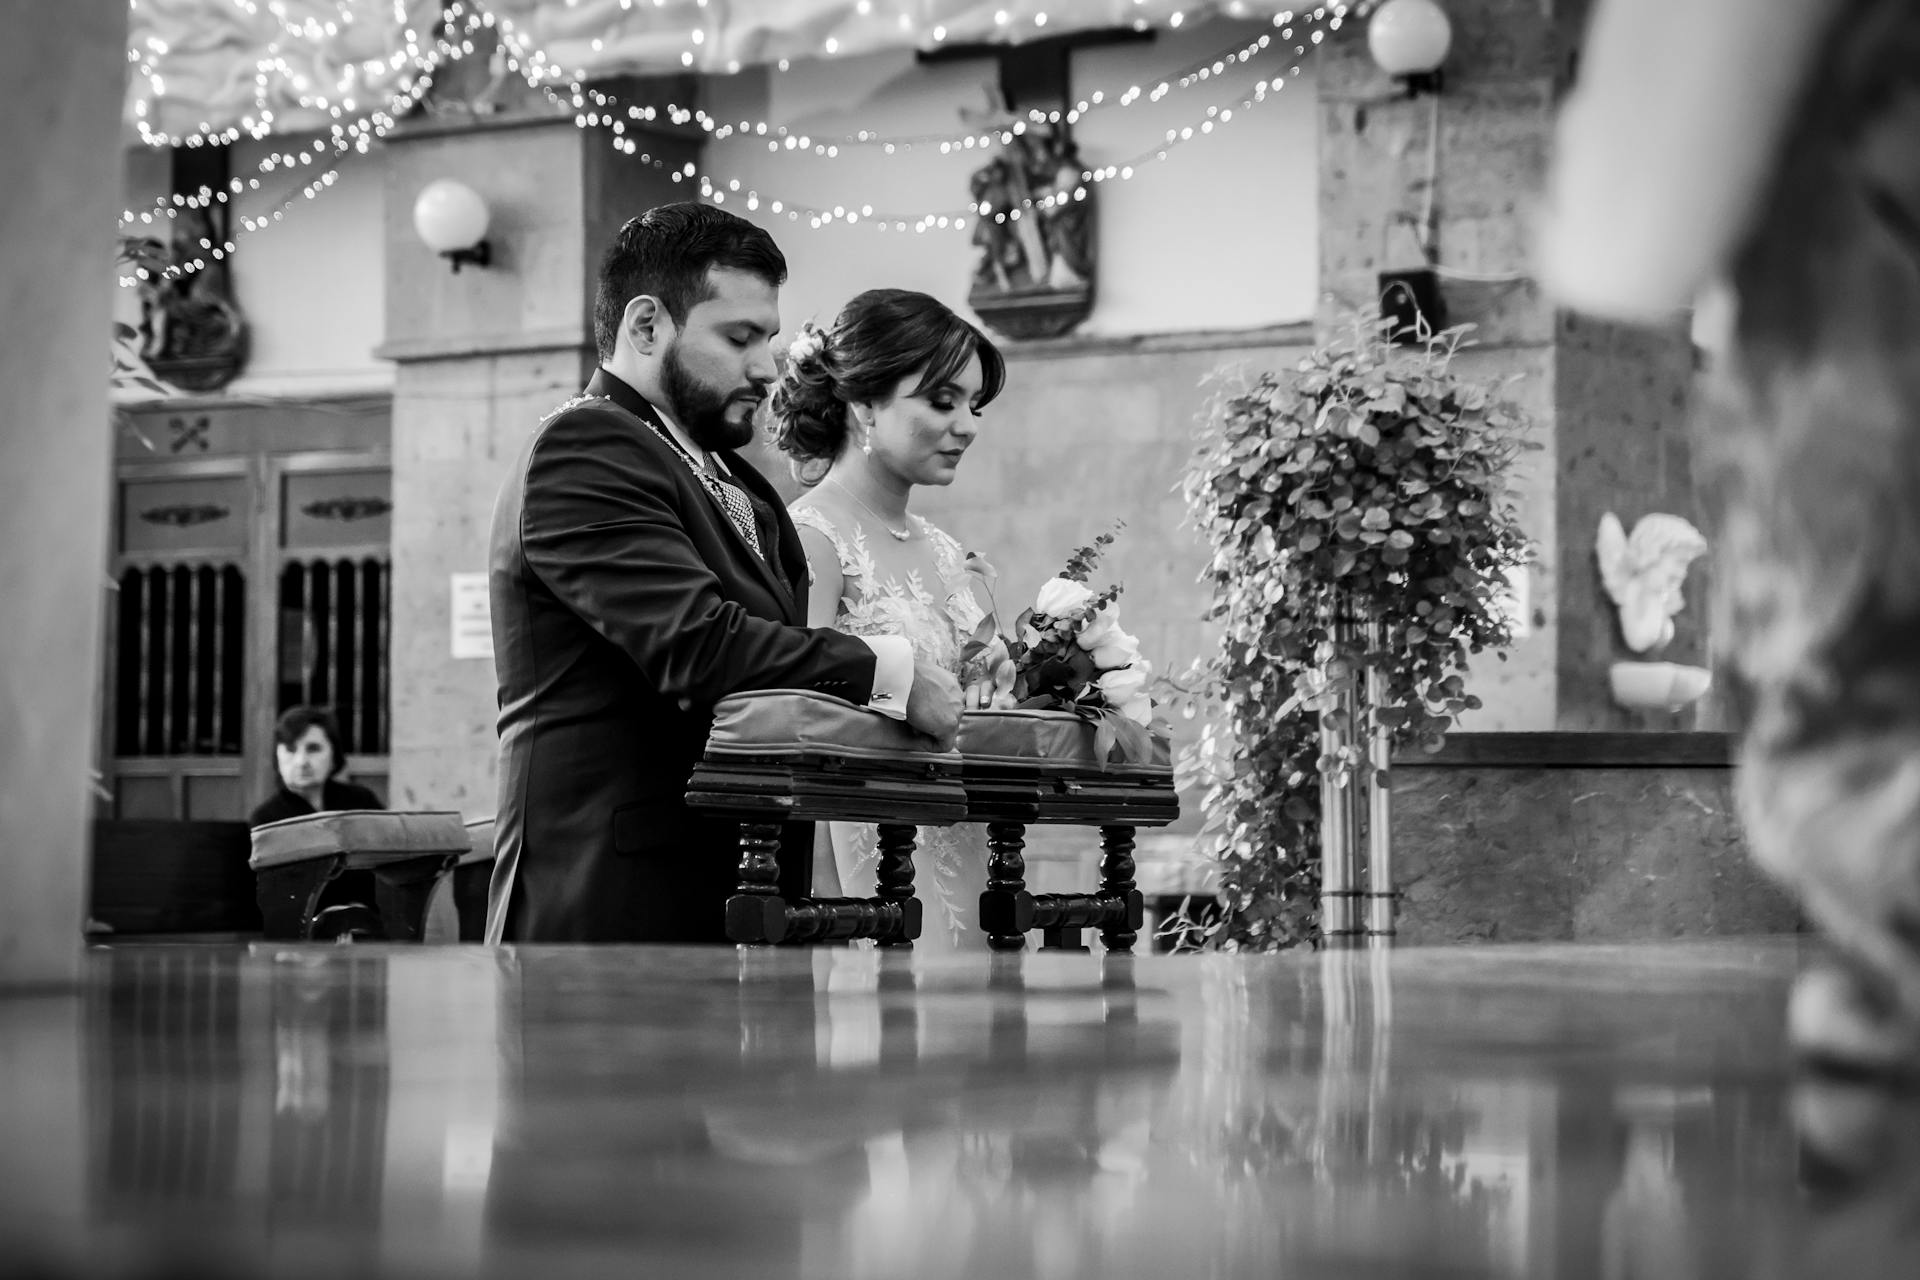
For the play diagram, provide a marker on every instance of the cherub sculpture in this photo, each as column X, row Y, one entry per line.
column 1643, row 574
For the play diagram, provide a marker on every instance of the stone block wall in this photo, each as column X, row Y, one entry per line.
column 465, row 420
column 1565, row 837
column 483, row 356
column 1456, row 179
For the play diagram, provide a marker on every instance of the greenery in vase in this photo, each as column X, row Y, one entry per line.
column 1372, row 482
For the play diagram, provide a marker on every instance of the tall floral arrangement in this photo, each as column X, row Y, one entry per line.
column 1370, row 483
column 1068, row 652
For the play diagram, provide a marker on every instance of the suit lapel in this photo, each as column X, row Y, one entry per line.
column 616, row 390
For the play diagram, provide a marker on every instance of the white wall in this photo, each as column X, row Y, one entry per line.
column 1221, row 235
column 310, row 285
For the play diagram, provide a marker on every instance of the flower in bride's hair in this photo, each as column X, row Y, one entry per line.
column 807, row 343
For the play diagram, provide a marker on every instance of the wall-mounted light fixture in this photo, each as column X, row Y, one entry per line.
column 451, row 219
column 1409, row 40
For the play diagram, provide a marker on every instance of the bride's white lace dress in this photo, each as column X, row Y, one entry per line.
column 950, row 863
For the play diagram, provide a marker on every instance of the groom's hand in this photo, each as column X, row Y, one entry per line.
column 933, row 704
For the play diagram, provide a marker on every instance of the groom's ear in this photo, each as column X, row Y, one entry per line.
column 647, row 324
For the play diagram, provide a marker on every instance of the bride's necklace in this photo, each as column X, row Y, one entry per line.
column 898, row 535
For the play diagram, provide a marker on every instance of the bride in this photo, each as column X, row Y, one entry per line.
column 887, row 398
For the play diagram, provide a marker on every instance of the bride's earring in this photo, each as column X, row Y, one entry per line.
column 866, row 436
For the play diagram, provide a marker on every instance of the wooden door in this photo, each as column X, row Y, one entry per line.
column 248, row 576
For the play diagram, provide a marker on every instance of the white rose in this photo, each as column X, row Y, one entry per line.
column 1099, row 627
column 1126, row 691
column 1117, row 650
column 1061, row 597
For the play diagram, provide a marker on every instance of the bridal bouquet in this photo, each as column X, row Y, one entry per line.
column 1070, row 653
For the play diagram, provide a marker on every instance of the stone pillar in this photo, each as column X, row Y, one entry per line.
column 62, row 148
column 483, row 354
column 1608, row 403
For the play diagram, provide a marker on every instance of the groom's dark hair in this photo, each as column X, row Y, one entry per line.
column 666, row 251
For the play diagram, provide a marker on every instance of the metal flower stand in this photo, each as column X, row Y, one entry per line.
column 1357, row 900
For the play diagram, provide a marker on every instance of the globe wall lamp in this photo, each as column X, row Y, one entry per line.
column 451, row 219
column 1409, row 40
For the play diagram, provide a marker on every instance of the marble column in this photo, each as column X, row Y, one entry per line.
column 61, row 148
column 482, row 355
column 1609, row 404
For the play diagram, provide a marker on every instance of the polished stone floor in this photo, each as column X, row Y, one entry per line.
column 449, row 1111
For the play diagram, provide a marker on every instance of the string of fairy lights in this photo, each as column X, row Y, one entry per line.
column 779, row 137
column 594, row 108
column 345, row 136
column 422, row 55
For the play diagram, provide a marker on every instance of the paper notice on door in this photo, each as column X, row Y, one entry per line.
column 472, row 620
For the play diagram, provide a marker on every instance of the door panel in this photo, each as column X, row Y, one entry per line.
column 187, row 514
column 337, row 509
column 144, row 797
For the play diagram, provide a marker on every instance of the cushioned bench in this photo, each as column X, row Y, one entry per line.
column 778, row 756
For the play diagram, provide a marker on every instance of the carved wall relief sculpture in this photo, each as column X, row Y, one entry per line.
column 1643, row 574
column 193, row 334
column 1033, row 269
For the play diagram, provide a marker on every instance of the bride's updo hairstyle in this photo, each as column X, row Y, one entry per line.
column 878, row 338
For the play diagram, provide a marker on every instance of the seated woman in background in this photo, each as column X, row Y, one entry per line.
column 307, row 751
column 309, row 760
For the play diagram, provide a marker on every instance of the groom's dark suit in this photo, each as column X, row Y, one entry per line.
column 625, row 605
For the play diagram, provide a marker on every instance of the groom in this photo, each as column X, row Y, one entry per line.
column 640, row 571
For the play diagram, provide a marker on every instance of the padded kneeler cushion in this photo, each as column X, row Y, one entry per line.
column 1048, row 742
column 795, row 724
column 368, row 836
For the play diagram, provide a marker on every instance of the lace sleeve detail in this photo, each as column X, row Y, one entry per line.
column 856, row 566
column 963, row 606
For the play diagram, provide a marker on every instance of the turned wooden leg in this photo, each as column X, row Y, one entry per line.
column 1006, row 908
column 755, row 912
column 1116, row 884
column 895, row 880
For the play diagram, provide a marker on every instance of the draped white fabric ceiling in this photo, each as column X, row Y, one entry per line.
column 232, row 63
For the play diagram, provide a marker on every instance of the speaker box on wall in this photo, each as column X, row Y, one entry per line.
column 1411, row 301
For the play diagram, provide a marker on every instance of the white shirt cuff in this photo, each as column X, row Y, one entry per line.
column 892, row 674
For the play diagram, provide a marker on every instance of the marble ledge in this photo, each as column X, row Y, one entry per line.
column 468, row 346
column 1297, row 333
column 1561, row 750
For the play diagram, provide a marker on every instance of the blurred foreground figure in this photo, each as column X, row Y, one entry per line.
column 1773, row 146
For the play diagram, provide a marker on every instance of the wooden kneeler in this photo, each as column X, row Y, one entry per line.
column 407, row 853
column 1022, row 768
column 779, row 756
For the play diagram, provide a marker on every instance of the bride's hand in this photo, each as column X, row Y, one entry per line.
column 984, row 695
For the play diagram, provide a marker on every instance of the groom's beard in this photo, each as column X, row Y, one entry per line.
column 701, row 410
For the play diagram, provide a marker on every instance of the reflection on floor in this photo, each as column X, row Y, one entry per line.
column 1521, row 1111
